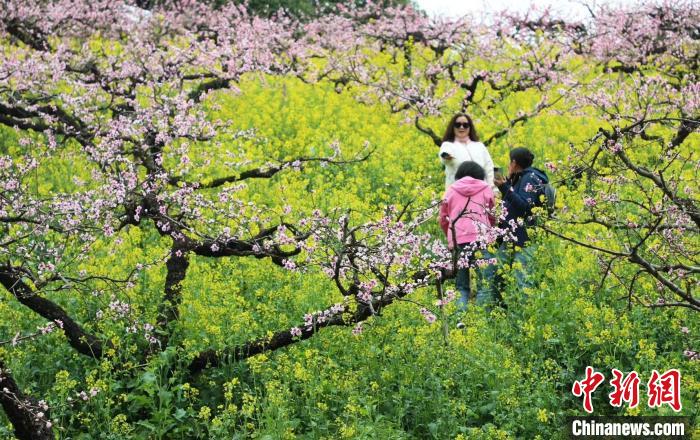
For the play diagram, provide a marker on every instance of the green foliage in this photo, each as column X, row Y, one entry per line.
column 507, row 375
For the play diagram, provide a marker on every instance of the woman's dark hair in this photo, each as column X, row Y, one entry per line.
column 449, row 135
column 522, row 156
column 470, row 169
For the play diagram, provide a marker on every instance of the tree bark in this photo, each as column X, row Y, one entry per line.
column 168, row 311
column 82, row 341
column 27, row 424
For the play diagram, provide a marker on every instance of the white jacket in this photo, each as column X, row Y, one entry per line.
column 472, row 151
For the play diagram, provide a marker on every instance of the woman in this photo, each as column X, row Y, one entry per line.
column 460, row 144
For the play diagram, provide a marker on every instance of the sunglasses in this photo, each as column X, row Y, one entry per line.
column 461, row 124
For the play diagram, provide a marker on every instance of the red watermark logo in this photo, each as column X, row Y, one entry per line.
column 661, row 389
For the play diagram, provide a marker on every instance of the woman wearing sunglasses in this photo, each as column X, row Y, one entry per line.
column 460, row 144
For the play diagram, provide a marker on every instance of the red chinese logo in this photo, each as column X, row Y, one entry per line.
column 587, row 386
column 665, row 388
column 626, row 390
column 662, row 389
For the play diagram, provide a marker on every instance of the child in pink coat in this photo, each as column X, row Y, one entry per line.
column 465, row 216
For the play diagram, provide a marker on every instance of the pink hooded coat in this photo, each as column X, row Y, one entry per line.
column 478, row 198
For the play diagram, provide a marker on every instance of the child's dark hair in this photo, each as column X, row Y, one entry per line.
column 470, row 169
column 522, row 156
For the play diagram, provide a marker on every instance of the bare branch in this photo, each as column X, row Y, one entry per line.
column 284, row 338
column 268, row 171
column 82, row 341
column 19, row 412
column 437, row 140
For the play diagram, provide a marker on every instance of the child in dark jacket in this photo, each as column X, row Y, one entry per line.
column 523, row 190
column 465, row 216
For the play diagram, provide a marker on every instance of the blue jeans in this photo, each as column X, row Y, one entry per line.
column 463, row 285
column 463, row 282
column 490, row 281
